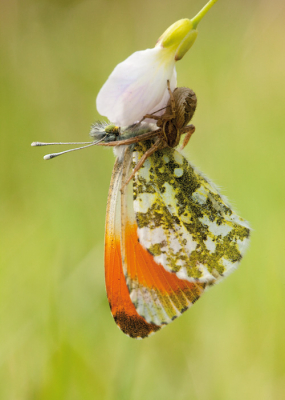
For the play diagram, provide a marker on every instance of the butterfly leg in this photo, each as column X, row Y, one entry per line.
column 159, row 144
column 189, row 130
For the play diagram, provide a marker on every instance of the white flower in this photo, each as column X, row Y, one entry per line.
column 138, row 85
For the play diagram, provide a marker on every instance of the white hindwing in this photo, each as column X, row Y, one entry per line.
column 183, row 221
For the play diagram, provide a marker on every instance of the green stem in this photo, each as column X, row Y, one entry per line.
column 195, row 21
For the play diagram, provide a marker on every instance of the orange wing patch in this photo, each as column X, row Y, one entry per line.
column 123, row 310
column 158, row 295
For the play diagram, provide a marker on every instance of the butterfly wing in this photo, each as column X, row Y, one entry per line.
column 143, row 296
column 183, row 222
column 169, row 236
column 122, row 308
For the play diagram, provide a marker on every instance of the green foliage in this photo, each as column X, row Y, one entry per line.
column 57, row 337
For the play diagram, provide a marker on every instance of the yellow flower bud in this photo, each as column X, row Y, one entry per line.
column 137, row 86
column 175, row 34
column 186, row 43
column 181, row 35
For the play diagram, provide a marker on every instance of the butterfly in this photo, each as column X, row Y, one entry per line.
column 169, row 233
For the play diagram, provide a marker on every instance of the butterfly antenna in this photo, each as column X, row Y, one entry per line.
column 34, row 144
column 53, row 155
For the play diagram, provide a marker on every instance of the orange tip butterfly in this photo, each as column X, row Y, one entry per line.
column 170, row 234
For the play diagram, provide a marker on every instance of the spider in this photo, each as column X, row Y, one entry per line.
column 171, row 125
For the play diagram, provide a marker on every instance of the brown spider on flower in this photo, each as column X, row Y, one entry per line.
column 171, row 125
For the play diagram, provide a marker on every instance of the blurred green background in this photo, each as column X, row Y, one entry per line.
column 57, row 337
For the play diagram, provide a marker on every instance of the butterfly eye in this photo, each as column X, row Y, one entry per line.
column 112, row 129
column 112, row 133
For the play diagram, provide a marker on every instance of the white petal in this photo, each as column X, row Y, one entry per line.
column 137, row 86
column 165, row 97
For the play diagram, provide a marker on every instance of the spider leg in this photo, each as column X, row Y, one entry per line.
column 165, row 117
column 159, row 144
column 172, row 101
column 151, row 116
column 189, row 130
column 155, row 117
column 169, row 115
